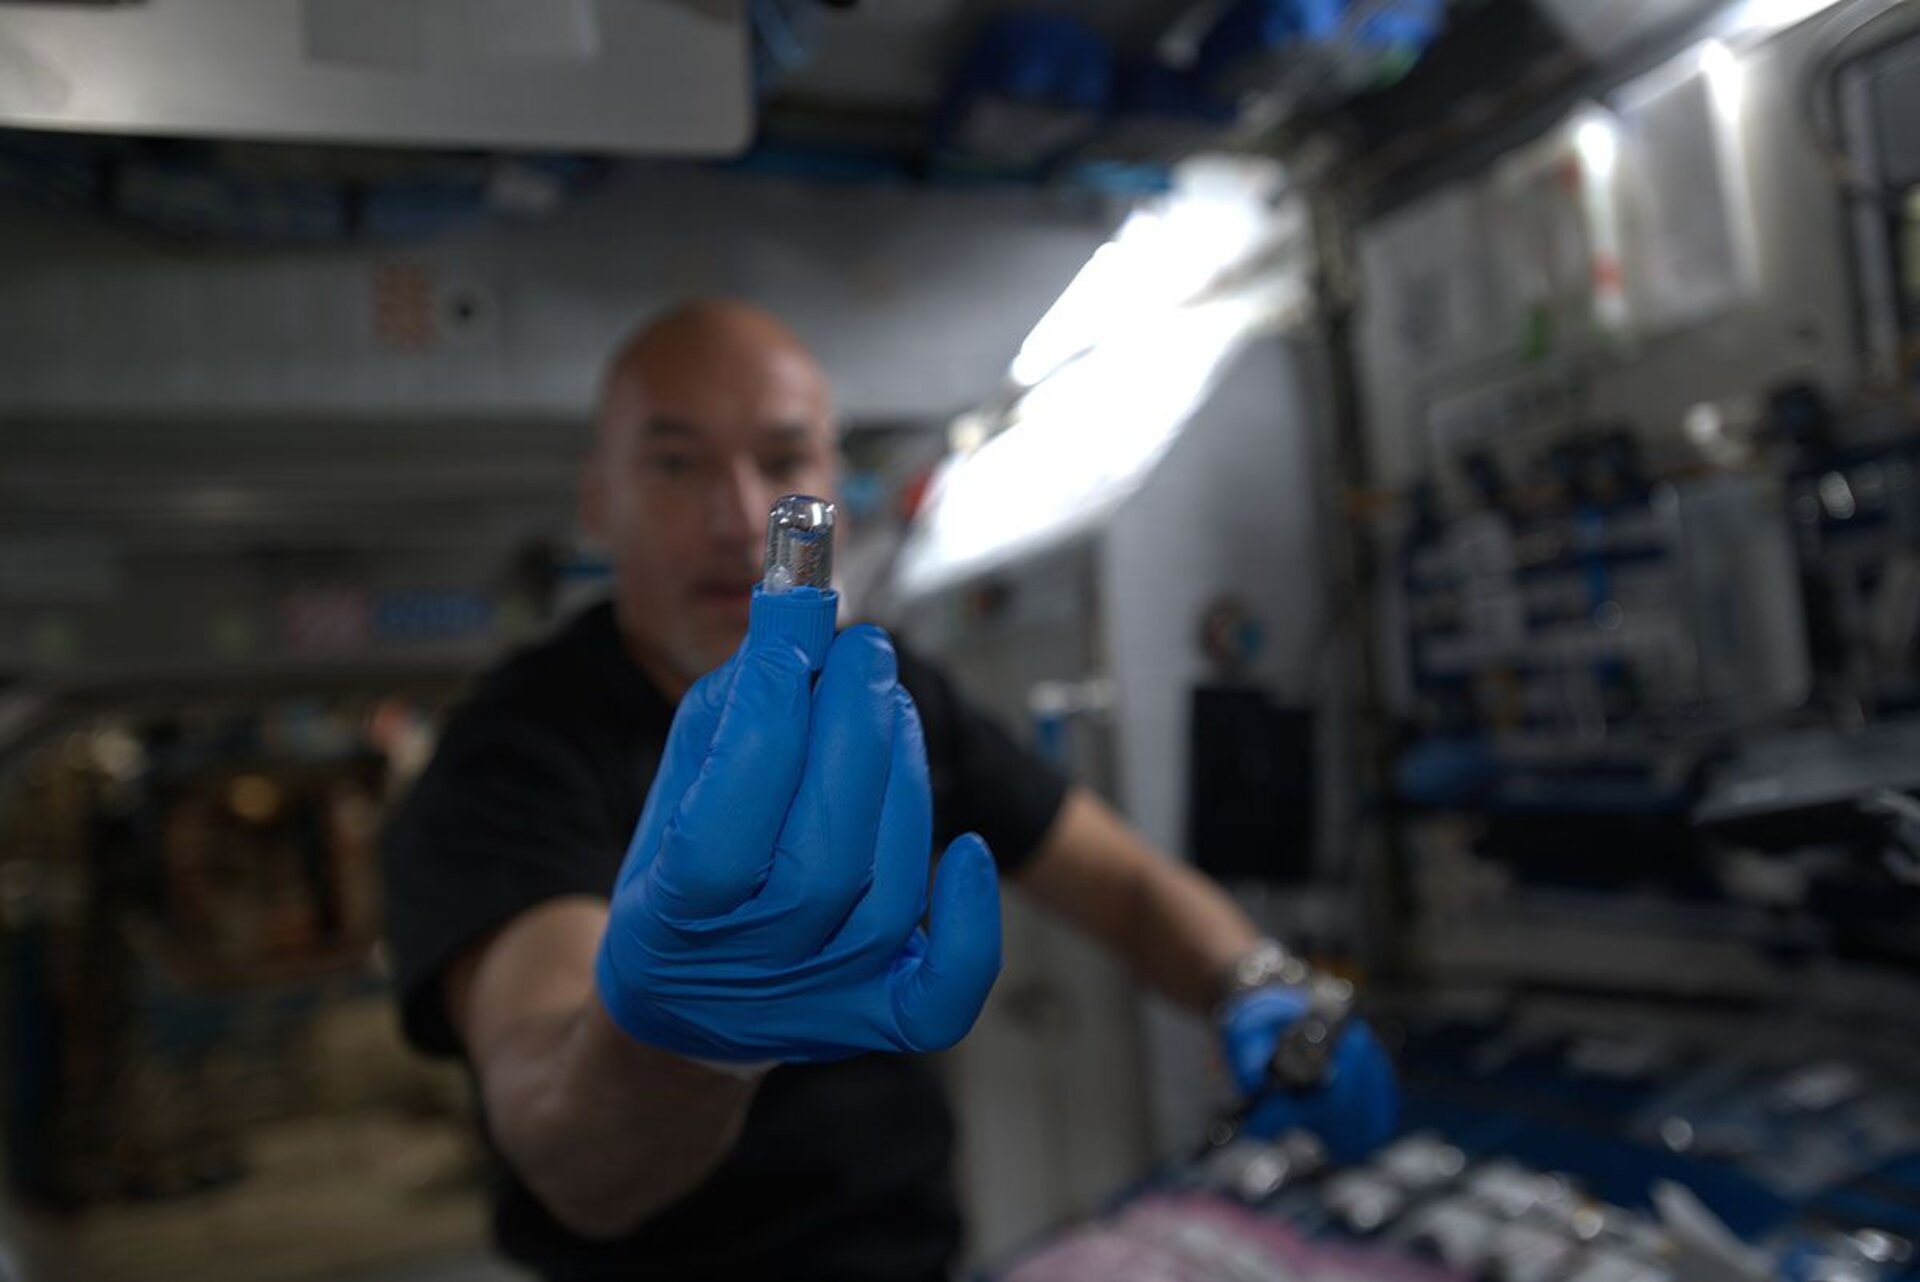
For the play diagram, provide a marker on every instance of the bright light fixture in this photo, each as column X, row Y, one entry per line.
column 1598, row 142
column 1726, row 78
column 1163, row 255
column 1101, row 289
column 1754, row 18
column 1112, row 373
column 969, row 432
column 1078, row 446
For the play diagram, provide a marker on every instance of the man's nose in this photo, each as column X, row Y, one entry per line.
column 740, row 509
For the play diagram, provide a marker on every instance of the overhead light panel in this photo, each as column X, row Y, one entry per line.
column 1163, row 256
column 1757, row 19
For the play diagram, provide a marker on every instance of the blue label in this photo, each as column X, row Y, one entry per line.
column 432, row 616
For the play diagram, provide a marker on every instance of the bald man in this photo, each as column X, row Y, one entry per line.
column 622, row 1159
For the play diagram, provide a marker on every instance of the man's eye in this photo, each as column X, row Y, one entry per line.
column 784, row 467
column 671, row 464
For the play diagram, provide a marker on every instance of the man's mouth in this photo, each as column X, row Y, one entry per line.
column 723, row 592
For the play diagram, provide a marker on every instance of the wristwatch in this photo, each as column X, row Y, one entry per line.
column 1303, row 1056
column 1267, row 962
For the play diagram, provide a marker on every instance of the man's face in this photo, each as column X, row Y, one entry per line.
column 698, row 439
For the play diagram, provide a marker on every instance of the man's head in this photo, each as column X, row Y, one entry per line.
column 707, row 415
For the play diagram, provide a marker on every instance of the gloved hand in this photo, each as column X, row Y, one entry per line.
column 769, row 908
column 1353, row 1113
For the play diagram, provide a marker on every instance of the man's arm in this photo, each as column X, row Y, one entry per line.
column 603, row 1130
column 1185, row 936
column 1179, row 930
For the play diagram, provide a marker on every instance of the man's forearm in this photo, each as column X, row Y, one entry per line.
column 1187, row 934
column 603, row 1130
column 1179, row 931
column 606, row 1131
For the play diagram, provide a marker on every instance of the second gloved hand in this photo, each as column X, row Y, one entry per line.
column 771, row 901
column 1353, row 1112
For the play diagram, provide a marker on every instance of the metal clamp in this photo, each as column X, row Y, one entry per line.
column 1303, row 1057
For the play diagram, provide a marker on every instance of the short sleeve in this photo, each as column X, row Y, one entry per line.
column 983, row 781
column 508, row 814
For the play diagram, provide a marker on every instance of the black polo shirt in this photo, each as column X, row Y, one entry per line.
column 843, row 1170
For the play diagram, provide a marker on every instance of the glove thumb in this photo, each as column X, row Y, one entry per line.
column 938, row 994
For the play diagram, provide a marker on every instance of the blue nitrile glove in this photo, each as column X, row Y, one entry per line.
column 1353, row 1113
column 769, row 908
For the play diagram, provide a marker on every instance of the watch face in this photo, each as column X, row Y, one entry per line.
column 1255, row 967
column 1268, row 963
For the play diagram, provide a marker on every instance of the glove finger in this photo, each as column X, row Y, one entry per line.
column 714, row 852
column 1355, row 1113
column 1252, row 1027
column 1276, row 1114
column 903, row 864
column 903, row 855
column 1368, row 1097
column 687, row 742
column 936, row 1000
column 824, row 860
